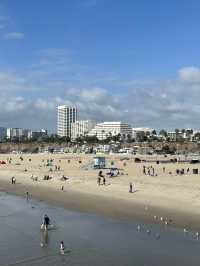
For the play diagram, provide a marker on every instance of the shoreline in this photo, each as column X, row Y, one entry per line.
column 106, row 206
column 164, row 194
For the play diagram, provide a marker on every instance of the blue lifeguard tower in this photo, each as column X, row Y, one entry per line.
column 99, row 162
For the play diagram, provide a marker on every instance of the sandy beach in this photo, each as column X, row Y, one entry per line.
column 165, row 198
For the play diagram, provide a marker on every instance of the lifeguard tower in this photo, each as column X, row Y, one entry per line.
column 99, row 162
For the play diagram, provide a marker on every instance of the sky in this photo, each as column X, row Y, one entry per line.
column 134, row 60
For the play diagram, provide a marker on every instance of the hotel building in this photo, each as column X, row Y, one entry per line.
column 81, row 128
column 66, row 115
column 108, row 129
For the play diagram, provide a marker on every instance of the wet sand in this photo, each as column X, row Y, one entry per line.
column 164, row 196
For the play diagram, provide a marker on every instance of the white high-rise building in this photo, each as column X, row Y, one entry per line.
column 65, row 117
column 81, row 128
column 109, row 129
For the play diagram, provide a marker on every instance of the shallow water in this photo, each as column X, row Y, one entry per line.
column 89, row 239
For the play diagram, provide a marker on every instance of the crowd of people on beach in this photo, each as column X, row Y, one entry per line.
column 150, row 171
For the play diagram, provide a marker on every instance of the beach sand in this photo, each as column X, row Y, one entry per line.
column 169, row 197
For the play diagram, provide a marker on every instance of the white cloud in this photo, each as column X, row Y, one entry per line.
column 12, row 82
column 14, row 36
column 12, row 104
column 190, row 74
column 55, row 79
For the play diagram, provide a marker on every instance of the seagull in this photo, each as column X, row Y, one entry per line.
column 157, row 236
column 148, row 231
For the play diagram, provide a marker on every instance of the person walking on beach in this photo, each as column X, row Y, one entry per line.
column 144, row 169
column 100, row 175
column 130, row 187
column 27, row 196
column 13, row 180
column 104, row 181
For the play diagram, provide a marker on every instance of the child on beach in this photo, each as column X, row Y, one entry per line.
column 62, row 248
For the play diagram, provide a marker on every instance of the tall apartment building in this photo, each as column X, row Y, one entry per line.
column 109, row 129
column 65, row 117
column 81, row 128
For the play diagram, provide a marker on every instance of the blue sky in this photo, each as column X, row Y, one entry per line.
column 130, row 60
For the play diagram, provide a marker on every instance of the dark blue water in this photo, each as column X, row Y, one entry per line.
column 89, row 239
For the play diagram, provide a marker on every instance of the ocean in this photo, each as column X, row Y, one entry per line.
column 89, row 239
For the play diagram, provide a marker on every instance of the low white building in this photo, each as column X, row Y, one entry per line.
column 81, row 128
column 109, row 129
column 35, row 134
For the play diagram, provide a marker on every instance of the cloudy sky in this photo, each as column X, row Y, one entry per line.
column 132, row 60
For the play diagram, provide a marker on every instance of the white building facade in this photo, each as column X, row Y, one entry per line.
column 81, row 128
column 14, row 133
column 109, row 129
column 66, row 115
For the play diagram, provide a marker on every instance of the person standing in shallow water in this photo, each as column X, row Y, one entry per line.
column 27, row 196
column 46, row 221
